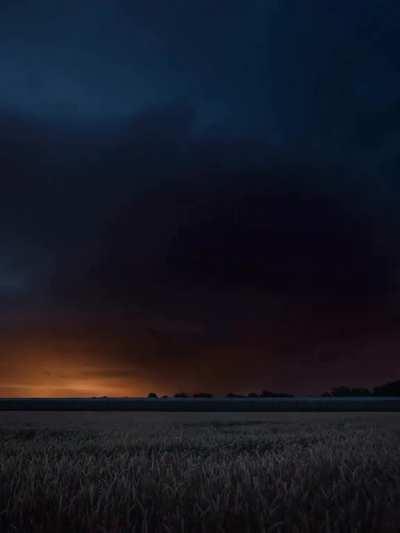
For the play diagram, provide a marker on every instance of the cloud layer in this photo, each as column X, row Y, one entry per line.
column 198, row 196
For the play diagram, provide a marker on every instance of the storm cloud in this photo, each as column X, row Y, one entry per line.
column 189, row 188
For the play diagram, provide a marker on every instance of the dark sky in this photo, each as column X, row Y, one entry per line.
column 198, row 195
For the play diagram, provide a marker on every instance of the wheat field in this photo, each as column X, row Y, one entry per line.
column 199, row 472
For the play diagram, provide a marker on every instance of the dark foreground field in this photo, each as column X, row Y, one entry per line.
column 199, row 472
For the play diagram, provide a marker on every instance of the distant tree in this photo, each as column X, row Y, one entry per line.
column 269, row 394
column 164, row 397
column 360, row 391
column 202, row 395
column 152, row 395
column 347, row 391
column 252, row 395
column 326, row 395
column 341, row 391
column 388, row 389
column 234, row 395
column 181, row 395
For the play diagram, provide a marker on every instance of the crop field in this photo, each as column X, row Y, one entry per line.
column 199, row 472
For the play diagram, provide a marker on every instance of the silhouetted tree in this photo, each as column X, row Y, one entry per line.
column 347, row 391
column 152, row 395
column 388, row 389
column 234, row 395
column 266, row 394
column 269, row 394
column 252, row 395
column 181, row 395
column 360, row 391
column 341, row 391
column 202, row 395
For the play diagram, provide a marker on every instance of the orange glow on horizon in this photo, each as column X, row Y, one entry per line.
column 37, row 373
column 62, row 383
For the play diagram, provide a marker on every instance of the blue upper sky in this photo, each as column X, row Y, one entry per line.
column 290, row 72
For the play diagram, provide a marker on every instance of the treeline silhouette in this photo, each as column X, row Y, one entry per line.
column 263, row 394
column 388, row 389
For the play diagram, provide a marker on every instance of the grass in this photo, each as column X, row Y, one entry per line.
column 198, row 472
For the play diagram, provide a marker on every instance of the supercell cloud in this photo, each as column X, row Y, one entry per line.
column 198, row 197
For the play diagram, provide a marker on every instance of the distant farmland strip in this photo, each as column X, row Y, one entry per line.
column 302, row 404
